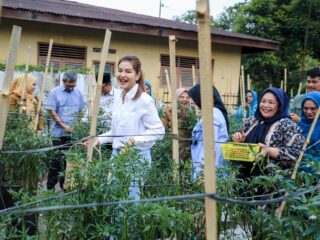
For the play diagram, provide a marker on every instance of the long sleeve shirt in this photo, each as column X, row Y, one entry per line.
column 137, row 119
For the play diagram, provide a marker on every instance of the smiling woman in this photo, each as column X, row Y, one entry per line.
column 279, row 137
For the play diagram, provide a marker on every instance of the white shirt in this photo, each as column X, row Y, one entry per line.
column 106, row 104
column 133, row 118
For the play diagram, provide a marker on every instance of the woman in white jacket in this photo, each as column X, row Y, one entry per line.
column 135, row 120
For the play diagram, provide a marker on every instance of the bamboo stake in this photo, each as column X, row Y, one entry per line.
column 243, row 94
column 93, row 125
column 295, row 170
column 51, row 78
column 299, row 89
column 24, row 84
column 270, row 84
column 285, row 79
column 168, row 81
column 248, row 82
column 281, row 85
column 175, row 142
column 157, row 87
column 204, row 39
column 194, row 82
column 8, row 75
column 291, row 92
column 43, row 85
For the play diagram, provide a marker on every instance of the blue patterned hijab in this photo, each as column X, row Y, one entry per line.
column 258, row 134
column 305, row 122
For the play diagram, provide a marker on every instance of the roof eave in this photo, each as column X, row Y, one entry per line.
column 248, row 45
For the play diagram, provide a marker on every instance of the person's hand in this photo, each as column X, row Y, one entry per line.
column 67, row 128
column 264, row 149
column 131, row 141
column 95, row 143
column 295, row 117
column 238, row 137
column 125, row 147
column 247, row 105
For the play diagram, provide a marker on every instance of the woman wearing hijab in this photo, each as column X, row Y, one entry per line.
column 220, row 131
column 148, row 89
column 184, row 112
column 251, row 104
column 30, row 104
column 271, row 127
column 310, row 104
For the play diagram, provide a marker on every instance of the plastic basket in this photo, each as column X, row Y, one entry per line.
column 245, row 152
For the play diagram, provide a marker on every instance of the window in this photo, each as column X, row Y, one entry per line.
column 72, row 57
column 109, row 68
column 183, row 70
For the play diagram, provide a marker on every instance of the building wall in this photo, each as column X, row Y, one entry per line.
column 147, row 48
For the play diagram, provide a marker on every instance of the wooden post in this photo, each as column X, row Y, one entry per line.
column 204, row 48
column 157, row 87
column 93, row 125
column 248, row 82
column 168, row 81
column 285, row 80
column 51, row 78
column 8, row 75
column 299, row 89
column 43, row 85
column 295, row 170
column 243, row 94
column 173, row 76
column 24, row 84
column 194, row 82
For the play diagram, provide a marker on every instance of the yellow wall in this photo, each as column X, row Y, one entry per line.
column 147, row 48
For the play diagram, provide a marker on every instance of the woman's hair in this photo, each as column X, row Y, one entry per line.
column 136, row 64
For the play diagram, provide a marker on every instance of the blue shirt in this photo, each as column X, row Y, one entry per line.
column 197, row 146
column 67, row 105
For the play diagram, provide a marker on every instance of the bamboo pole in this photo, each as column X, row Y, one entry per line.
column 43, row 85
column 295, row 170
column 243, row 94
column 248, row 82
column 291, row 92
column 299, row 89
column 173, row 76
column 281, row 85
column 194, row 82
column 93, row 125
column 51, row 78
column 26, row 71
column 204, row 48
column 168, row 81
column 285, row 79
column 157, row 87
column 8, row 75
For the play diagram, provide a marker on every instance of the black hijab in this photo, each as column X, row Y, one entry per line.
column 258, row 134
column 194, row 93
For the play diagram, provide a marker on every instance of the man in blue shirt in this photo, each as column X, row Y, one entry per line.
column 65, row 104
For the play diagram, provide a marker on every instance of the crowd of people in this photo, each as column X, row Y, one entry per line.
column 132, row 119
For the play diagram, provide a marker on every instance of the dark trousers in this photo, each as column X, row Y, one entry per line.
column 58, row 163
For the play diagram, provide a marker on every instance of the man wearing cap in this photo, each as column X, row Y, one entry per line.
column 65, row 104
column 313, row 84
column 108, row 95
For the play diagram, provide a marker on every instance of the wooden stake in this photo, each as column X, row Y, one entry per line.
column 43, row 85
column 243, row 94
column 168, row 81
column 281, row 85
column 248, row 82
column 295, row 170
column 299, row 89
column 8, row 75
column 24, row 84
column 285, row 79
column 93, row 125
column 173, row 75
column 157, row 87
column 204, row 39
column 51, row 78
column 194, row 82
column 291, row 92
